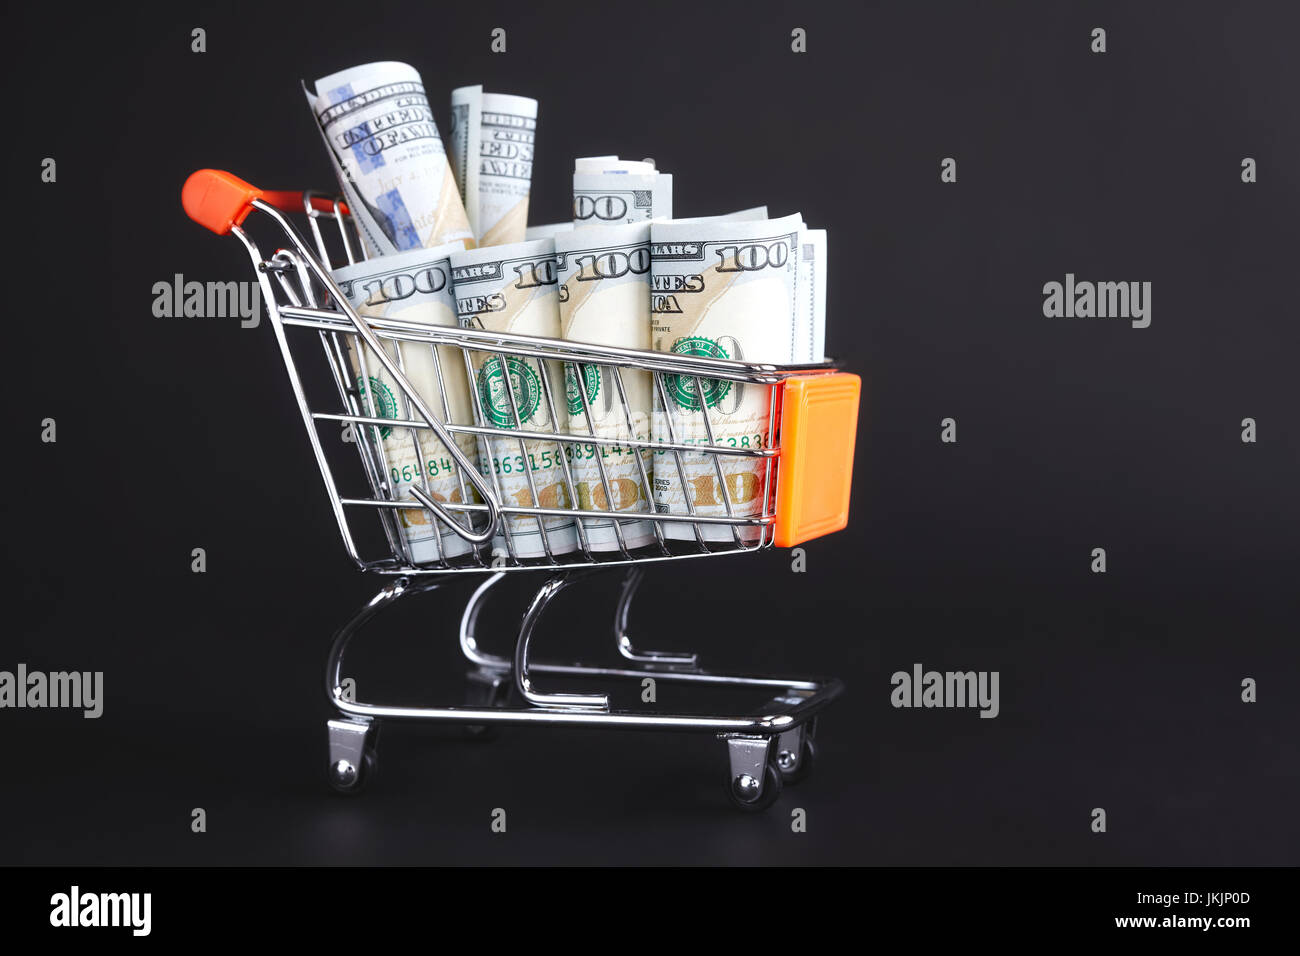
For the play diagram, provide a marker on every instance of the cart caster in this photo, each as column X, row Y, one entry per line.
column 755, row 781
column 353, row 758
column 796, row 755
column 747, row 795
column 348, row 779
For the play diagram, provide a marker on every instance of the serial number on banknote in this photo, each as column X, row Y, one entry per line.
column 435, row 467
column 546, row 460
column 730, row 441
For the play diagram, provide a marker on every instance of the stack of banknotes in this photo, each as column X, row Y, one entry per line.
column 448, row 243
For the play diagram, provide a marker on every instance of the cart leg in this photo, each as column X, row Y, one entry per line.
column 353, row 738
column 755, row 780
column 388, row 596
column 666, row 658
column 469, row 625
column 522, row 680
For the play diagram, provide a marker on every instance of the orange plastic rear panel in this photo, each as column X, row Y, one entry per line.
column 819, row 424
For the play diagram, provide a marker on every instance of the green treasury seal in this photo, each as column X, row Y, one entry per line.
column 384, row 399
column 590, row 382
column 524, row 383
column 683, row 388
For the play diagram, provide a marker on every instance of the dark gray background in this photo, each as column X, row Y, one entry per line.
column 1118, row 690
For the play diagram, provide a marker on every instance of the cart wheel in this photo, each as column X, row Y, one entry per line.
column 801, row 768
column 743, row 787
column 349, row 780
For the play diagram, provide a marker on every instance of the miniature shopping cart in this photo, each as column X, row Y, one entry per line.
column 804, row 479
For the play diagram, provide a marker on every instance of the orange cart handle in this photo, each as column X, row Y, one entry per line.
column 819, row 426
column 219, row 200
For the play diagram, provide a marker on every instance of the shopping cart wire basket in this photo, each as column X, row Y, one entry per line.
column 438, row 482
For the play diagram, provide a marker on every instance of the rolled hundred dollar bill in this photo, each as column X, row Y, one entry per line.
column 604, row 293
column 726, row 290
column 492, row 146
column 512, row 288
column 608, row 191
column 389, row 158
column 810, row 283
column 415, row 287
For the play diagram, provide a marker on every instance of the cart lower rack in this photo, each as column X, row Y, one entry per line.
column 524, row 482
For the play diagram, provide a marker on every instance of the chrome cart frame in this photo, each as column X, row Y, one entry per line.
column 768, row 747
